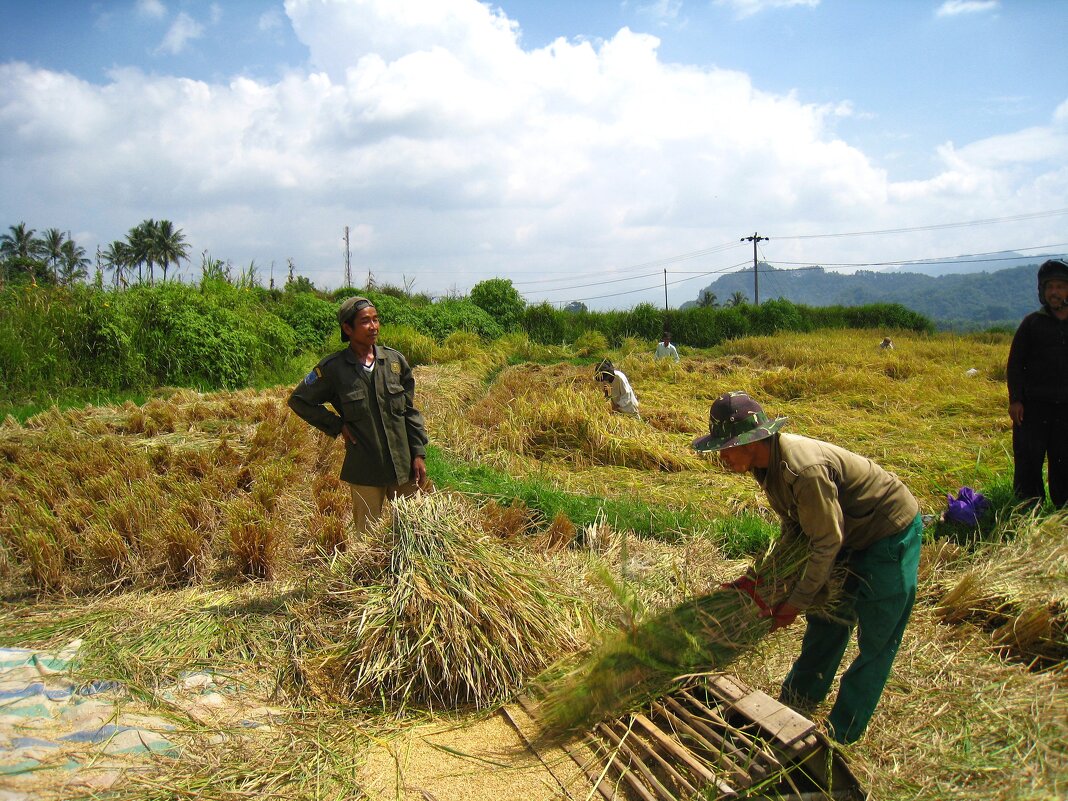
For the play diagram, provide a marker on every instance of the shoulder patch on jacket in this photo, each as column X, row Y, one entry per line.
column 313, row 376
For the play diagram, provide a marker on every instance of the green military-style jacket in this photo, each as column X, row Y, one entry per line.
column 835, row 498
column 378, row 407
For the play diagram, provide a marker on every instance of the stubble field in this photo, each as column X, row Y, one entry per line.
column 192, row 552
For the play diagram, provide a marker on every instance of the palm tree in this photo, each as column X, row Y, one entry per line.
column 20, row 243
column 142, row 252
column 738, row 298
column 117, row 258
column 707, row 299
column 74, row 265
column 169, row 245
column 52, row 249
column 21, row 251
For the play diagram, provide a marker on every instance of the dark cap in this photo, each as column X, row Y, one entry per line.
column 604, row 371
column 736, row 419
column 349, row 308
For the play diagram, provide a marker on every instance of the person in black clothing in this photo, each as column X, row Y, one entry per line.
column 1038, row 391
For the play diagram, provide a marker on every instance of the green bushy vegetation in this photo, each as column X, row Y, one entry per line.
column 313, row 320
column 706, row 327
column 500, row 300
column 229, row 332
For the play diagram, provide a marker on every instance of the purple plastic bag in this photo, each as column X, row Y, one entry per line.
column 967, row 507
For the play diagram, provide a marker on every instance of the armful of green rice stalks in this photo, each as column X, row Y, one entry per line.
column 702, row 634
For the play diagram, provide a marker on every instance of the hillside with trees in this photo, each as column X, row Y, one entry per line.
column 962, row 302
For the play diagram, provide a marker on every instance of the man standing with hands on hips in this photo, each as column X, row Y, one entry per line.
column 372, row 392
column 850, row 510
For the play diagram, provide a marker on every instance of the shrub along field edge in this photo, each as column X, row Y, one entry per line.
column 55, row 341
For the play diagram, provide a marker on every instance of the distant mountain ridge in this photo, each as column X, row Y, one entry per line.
column 969, row 264
column 969, row 298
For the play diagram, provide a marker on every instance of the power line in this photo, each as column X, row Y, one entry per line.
column 597, row 283
column 728, row 245
column 658, row 263
column 657, row 286
column 974, row 257
column 809, row 266
column 937, row 227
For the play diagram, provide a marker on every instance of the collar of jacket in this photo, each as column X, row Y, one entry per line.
column 351, row 358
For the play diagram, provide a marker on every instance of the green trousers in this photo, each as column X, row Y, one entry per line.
column 878, row 597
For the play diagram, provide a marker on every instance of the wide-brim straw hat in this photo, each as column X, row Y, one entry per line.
column 736, row 419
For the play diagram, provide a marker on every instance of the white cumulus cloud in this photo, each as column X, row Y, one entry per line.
column 182, row 30
column 954, row 8
column 153, row 9
column 747, row 8
column 455, row 155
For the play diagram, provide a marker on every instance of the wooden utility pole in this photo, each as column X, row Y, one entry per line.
column 348, row 257
column 756, row 281
column 665, row 301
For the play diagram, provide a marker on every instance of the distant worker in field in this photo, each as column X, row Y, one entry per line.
column 1037, row 376
column 617, row 389
column 664, row 348
column 851, row 511
column 886, row 344
column 372, row 392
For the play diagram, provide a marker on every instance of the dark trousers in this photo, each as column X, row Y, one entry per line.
column 1043, row 434
column 878, row 597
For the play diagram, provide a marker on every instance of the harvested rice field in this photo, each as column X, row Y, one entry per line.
column 184, row 614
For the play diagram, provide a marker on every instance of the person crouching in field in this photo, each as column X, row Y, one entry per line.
column 850, row 510
column 617, row 389
column 372, row 392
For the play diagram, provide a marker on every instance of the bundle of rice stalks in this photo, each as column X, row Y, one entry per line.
column 702, row 634
column 442, row 616
column 255, row 543
column 507, row 523
column 559, row 534
column 1016, row 590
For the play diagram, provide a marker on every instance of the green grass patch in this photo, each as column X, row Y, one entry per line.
column 644, row 519
column 744, row 535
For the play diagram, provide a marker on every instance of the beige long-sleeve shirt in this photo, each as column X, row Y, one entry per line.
column 834, row 497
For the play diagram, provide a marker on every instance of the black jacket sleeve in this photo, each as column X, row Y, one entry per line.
column 308, row 398
column 1015, row 371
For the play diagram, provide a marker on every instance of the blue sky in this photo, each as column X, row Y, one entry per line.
column 539, row 140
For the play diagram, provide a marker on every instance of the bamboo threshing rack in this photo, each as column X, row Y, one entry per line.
column 713, row 737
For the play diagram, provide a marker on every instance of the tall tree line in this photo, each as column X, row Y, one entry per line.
column 55, row 258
